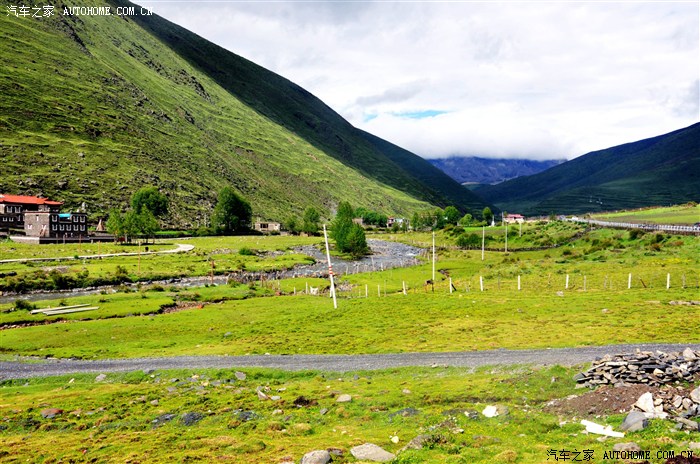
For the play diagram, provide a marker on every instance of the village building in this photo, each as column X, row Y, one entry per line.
column 514, row 219
column 267, row 227
column 40, row 218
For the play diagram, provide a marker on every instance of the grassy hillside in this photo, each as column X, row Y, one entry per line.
column 95, row 107
column 656, row 171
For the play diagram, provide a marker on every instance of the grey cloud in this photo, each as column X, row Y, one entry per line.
column 395, row 94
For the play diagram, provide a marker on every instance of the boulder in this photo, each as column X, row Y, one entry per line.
column 371, row 452
column 344, row 398
column 50, row 413
column 634, row 422
column 316, row 457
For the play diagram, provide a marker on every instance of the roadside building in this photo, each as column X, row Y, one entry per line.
column 267, row 227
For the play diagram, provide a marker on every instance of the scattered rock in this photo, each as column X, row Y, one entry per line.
column 262, row 396
column 344, row 398
column 100, row 378
column 302, row 401
column 50, row 413
column 162, row 419
column 240, row 375
column 418, row 442
column 191, row 418
column 695, row 395
column 631, row 446
column 490, row 411
column 405, row 412
column 371, row 452
column 155, row 403
column 634, row 422
column 316, row 457
column 646, row 403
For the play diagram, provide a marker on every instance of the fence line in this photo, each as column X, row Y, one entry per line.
column 672, row 229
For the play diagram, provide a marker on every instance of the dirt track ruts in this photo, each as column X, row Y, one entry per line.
column 331, row 363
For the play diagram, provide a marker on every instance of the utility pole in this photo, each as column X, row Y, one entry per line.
column 483, row 240
column 433, row 257
column 330, row 268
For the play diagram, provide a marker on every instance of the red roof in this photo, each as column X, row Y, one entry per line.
column 27, row 200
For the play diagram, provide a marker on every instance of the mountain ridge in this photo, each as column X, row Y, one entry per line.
column 96, row 107
column 478, row 170
column 659, row 170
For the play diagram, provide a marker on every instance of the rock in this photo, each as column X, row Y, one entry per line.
column 240, row 375
column 490, row 411
column 646, row 403
column 689, row 354
column 344, row 398
column 50, row 413
column 262, row 396
column 162, row 419
column 191, row 418
column 100, row 378
column 323, row 411
column 371, row 452
column 688, row 424
column 626, row 447
column 634, row 422
column 694, row 445
column 418, row 442
column 316, row 457
column 695, row 395
column 405, row 412
column 406, row 391
column 155, row 403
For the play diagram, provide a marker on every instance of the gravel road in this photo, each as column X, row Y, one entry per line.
column 332, row 363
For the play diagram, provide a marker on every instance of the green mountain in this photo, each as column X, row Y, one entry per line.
column 95, row 107
column 658, row 171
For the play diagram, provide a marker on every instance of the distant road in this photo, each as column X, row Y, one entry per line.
column 330, row 363
column 671, row 229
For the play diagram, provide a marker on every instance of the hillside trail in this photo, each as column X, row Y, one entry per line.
column 35, row 367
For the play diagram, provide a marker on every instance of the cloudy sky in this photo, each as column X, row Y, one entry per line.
column 535, row 79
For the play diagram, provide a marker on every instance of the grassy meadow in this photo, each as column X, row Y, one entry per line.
column 208, row 415
column 687, row 214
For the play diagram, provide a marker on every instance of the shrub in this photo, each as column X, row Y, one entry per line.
column 23, row 305
column 634, row 234
column 245, row 251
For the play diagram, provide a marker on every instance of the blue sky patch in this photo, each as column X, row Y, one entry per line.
column 420, row 114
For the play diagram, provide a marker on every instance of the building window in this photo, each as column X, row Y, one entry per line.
column 53, row 227
column 54, row 217
column 61, row 226
column 82, row 219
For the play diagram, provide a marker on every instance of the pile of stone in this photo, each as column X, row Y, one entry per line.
column 642, row 367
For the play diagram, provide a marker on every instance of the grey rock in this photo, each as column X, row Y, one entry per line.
column 240, row 375
column 316, row 457
column 371, row 452
column 50, row 413
column 344, row 398
column 695, row 395
column 626, row 447
column 162, row 419
column 100, row 378
column 634, row 422
column 405, row 412
column 418, row 442
column 191, row 418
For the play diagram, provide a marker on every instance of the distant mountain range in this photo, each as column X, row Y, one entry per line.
column 476, row 170
column 95, row 107
column 660, row 170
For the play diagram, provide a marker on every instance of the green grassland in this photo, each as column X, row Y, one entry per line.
column 210, row 415
column 375, row 315
column 214, row 416
column 682, row 215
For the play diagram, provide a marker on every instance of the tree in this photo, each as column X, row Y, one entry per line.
column 232, row 214
column 292, row 225
column 468, row 241
column 466, row 220
column 148, row 224
column 310, row 221
column 349, row 237
column 451, row 215
column 151, row 198
column 487, row 214
column 115, row 223
column 340, row 228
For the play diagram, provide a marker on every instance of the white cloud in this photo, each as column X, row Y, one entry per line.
column 521, row 79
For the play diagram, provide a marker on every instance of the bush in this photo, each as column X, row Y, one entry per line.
column 245, row 251
column 468, row 241
column 23, row 305
column 634, row 234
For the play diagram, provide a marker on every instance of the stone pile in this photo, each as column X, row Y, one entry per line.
column 642, row 367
